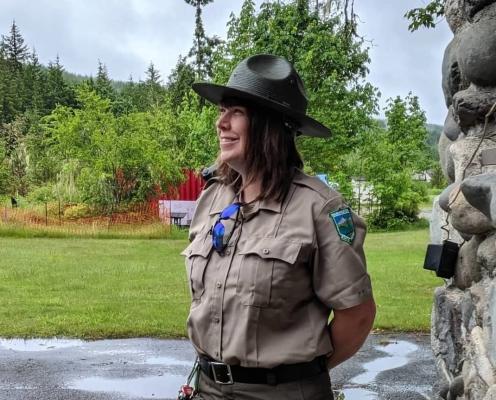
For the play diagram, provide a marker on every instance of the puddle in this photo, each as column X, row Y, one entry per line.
column 117, row 352
column 396, row 357
column 168, row 361
column 165, row 386
column 397, row 352
column 38, row 344
column 358, row 394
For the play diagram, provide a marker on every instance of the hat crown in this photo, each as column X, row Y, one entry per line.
column 271, row 77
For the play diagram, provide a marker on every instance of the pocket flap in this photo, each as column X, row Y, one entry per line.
column 199, row 247
column 271, row 248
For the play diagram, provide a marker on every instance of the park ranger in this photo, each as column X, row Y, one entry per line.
column 274, row 252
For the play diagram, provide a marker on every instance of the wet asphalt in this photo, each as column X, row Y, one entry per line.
column 389, row 366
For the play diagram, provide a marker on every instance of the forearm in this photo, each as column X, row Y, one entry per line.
column 348, row 330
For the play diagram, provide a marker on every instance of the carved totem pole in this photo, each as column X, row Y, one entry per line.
column 464, row 312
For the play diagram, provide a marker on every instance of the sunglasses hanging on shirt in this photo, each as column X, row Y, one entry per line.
column 221, row 235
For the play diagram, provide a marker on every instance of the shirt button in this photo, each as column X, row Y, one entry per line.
column 266, row 251
column 218, row 284
column 216, row 320
column 228, row 252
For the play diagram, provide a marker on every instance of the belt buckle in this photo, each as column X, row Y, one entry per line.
column 221, row 371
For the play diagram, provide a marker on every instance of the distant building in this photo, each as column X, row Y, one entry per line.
column 424, row 176
column 177, row 206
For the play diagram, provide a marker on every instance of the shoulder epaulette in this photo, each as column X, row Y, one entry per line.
column 209, row 175
column 313, row 183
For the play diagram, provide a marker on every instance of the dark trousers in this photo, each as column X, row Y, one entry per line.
column 315, row 388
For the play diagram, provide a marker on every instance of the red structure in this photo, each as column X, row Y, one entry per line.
column 190, row 189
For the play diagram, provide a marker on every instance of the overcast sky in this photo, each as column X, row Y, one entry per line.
column 126, row 35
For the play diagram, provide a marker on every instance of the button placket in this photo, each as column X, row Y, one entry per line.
column 221, row 285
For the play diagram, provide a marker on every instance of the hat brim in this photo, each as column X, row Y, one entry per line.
column 216, row 93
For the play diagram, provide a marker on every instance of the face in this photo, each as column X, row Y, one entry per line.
column 233, row 125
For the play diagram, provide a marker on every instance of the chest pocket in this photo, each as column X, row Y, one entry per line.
column 197, row 255
column 263, row 262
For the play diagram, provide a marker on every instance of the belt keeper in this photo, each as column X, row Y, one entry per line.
column 271, row 379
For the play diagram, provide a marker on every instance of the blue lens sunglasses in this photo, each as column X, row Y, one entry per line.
column 219, row 238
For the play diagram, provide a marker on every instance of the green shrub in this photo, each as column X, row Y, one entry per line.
column 42, row 194
column 77, row 211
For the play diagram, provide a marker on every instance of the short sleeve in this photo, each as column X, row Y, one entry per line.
column 340, row 275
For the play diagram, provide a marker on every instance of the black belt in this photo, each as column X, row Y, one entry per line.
column 225, row 374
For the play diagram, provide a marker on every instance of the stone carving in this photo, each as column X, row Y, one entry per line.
column 463, row 329
column 445, row 158
column 451, row 128
column 472, row 104
column 455, row 14
column 453, row 80
column 477, row 49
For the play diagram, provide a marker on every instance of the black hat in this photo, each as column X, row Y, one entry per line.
column 272, row 82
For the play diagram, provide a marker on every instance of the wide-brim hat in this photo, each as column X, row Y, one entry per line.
column 271, row 82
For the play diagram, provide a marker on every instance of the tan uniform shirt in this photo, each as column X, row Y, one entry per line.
column 266, row 301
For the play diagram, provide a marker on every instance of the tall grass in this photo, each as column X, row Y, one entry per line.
column 149, row 231
column 33, row 222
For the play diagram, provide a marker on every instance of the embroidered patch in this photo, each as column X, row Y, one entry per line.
column 344, row 224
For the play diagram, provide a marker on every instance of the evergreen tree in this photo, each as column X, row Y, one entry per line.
column 14, row 49
column 203, row 46
column 10, row 101
column 57, row 90
column 134, row 96
column 152, row 76
column 90, row 82
column 179, row 82
column 14, row 53
column 103, row 85
column 3, row 89
column 126, row 97
column 154, row 90
column 34, row 80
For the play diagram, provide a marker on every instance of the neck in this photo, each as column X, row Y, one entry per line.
column 251, row 191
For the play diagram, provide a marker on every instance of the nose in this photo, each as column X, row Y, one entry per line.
column 223, row 121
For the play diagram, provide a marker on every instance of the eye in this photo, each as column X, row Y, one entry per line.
column 238, row 110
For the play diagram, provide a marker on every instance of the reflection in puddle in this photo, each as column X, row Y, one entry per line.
column 397, row 352
column 358, row 394
column 168, row 361
column 396, row 357
column 153, row 386
column 116, row 352
column 38, row 344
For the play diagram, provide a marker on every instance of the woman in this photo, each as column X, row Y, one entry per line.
column 273, row 251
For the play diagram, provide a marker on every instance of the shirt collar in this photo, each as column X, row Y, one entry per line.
column 226, row 196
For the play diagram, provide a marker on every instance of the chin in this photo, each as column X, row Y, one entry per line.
column 234, row 163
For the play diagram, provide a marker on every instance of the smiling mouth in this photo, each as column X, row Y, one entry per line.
column 228, row 140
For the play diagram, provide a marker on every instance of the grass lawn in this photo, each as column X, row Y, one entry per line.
column 92, row 288
column 95, row 288
column 431, row 194
column 403, row 290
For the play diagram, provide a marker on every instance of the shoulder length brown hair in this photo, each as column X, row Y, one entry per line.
column 271, row 153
